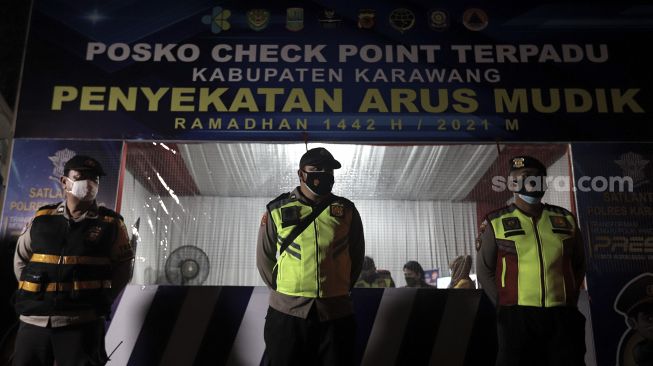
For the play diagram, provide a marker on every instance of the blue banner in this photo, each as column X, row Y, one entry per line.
column 614, row 192
column 376, row 71
column 37, row 166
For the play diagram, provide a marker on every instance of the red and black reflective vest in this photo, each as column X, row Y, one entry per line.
column 534, row 265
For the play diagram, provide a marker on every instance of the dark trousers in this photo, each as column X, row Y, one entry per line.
column 75, row 345
column 293, row 341
column 540, row 336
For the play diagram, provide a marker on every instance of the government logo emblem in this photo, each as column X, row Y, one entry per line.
column 366, row 18
column 294, row 19
column 475, row 19
column 402, row 19
column 219, row 20
column 438, row 19
column 258, row 19
column 329, row 19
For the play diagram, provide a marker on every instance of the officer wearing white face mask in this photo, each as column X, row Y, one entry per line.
column 531, row 264
column 71, row 261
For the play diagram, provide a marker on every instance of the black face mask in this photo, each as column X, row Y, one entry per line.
column 319, row 183
column 411, row 281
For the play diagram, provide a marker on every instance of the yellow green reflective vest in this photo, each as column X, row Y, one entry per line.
column 534, row 257
column 317, row 263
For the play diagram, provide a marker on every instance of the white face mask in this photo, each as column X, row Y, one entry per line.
column 529, row 199
column 84, row 190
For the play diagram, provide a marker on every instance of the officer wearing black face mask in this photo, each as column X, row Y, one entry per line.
column 319, row 240
column 71, row 261
column 531, row 264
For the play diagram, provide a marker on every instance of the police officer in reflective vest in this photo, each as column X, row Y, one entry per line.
column 319, row 238
column 531, row 263
column 71, row 261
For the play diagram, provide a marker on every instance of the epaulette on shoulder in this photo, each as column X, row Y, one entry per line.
column 109, row 214
column 557, row 209
column 499, row 212
column 281, row 200
column 344, row 201
column 47, row 210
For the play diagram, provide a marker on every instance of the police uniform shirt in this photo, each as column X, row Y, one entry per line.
column 121, row 256
column 328, row 308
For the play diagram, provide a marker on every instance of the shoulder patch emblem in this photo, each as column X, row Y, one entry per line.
column 481, row 231
column 264, row 219
column 337, row 210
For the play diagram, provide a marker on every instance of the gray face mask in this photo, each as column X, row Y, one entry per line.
column 84, row 190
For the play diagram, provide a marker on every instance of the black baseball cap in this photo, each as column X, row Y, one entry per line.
column 525, row 161
column 319, row 156
column 83, row 163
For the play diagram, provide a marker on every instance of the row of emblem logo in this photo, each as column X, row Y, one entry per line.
column 401, row 19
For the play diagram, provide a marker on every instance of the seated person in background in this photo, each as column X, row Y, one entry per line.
column 372, row 277
column 460, row 268
column 414, row 274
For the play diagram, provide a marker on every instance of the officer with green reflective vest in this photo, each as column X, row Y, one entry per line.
column 531, row 264
column 310, row 252
column 372, row 277
column 71, row 261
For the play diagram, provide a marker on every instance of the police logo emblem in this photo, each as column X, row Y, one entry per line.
column 330, row 19
column 438, row 19
column 366, row 18
column 295, row 19
column 337, row 210
column 475, row 19
column 402, row 19
column 93, row 233
column 560, row 222
column 258, row 19
column 511, row 223
column 518, row 163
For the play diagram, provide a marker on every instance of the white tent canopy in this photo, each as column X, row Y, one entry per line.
column 412, row 200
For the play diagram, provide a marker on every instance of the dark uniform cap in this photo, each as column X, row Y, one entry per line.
column 83, row 162
column 637, row 292
column 319, row 156
column 524, row 161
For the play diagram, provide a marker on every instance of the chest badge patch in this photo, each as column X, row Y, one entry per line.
column 290, row 215
column 560, row 222
column 337, row 210
column 93, row 233
column 511, row 223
